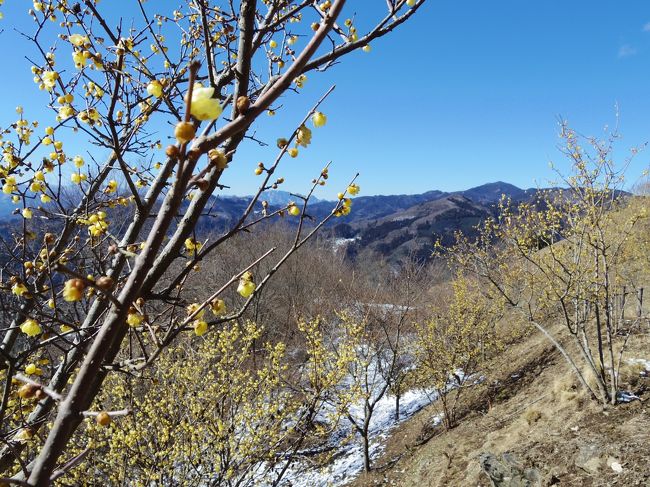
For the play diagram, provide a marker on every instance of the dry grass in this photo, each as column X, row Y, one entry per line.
column 532, row 407
column 532, row 415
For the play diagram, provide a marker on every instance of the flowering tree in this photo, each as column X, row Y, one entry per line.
column 91, row 284
column 451, row 346
column 565, row 257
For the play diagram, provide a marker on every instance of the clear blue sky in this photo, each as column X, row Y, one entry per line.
column 465, row 93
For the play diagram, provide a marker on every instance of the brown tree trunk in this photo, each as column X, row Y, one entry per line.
column 397, row 398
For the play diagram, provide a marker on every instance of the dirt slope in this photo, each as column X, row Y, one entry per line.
column 530, row 409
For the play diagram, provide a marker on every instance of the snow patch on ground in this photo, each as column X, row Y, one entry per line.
column 642, row 361
column 341, row 242
column 348, row 460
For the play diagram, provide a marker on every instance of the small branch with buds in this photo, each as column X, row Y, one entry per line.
column 172, row 332
column 39, row 387
column 102, row 284
column 111, row 414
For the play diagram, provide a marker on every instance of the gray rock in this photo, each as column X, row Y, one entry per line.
column 589, row 458
column 508, row 471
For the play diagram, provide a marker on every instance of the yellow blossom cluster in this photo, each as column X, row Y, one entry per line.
column 192, row 246
column 221, row 400
column 97, row 223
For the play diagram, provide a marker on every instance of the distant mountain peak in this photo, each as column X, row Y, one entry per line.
column 492, row 192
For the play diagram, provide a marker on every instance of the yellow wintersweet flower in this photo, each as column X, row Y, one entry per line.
column 36, row 186
column 354, row 189
column 303, row 136
column 32, row 369
column 345, row 209
column 30, row 327
column 77, row 178
column 293, row 209
column 218, row 159
column 218, row 307
column 73, row 290
column 204, row 105
column 98, row 228
column 77, row 40
column 65, row 111
column 90, row 116
column 79, row 59
column 246, row 285
column 134, row 318
column 155, row 89
column 300, row 80
column 192, row 308
column 319, row 119
column 27, row 213
column 192, row 245
column 78, row 161
column 8, row 188
column 184, row 132
column 111, row 187
column 19, row 289
column 200, row 327
column 49, row 79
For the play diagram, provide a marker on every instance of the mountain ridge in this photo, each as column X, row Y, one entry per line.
column 394, row 227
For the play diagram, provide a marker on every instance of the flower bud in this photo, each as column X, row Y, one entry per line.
column 28, row 391
column 243, row 104
column 105, row 283
column 282, row 143
column 103, row 419
column 172, row 151
column 184, row 132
